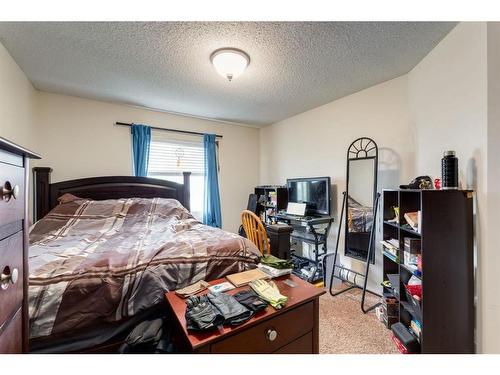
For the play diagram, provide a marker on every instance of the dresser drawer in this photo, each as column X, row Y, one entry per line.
column 11, row 333
column 11, row 262
column 285, row 327
column 302, row 345
column 11, row 210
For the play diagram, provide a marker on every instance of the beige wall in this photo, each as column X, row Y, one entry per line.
column 17, row 103
column 315, row 143
column 491, row 262
column 80, row 140
column 450, row 100
column 448, row 110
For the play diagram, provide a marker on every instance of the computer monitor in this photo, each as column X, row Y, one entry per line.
column 313, row 191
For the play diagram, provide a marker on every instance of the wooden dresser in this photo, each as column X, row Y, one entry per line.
column 291, row 330
column 14, row 247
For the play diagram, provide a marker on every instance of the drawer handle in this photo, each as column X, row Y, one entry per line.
column 271, row 334
column 9, row 277
column 8, row 191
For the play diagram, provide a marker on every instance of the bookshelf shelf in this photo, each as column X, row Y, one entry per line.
column 271, row 200
column 391, row 224
column 408, row 307
column 446, row 310
column 408, row 230
column 390, row 257
column 408, row 269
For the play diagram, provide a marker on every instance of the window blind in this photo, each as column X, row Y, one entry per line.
column 170, row 157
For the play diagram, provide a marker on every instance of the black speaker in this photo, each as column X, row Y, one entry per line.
column 252, row 203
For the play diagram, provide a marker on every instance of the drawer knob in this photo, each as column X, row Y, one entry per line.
column 271, row 334
column 9, row 277
column 8, row 191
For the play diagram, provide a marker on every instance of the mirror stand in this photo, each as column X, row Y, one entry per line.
column 347, row 271
column 360, row 206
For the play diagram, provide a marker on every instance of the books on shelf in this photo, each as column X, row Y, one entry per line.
column 273, row 198
column 416, row 327
column 413, row 219
column 394, row 242
column 390, row 248
column 389, row 245
column 391, row 256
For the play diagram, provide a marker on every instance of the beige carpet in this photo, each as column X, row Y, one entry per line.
column 344, row 329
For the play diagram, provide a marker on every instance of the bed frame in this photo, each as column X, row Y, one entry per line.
column 100, row 188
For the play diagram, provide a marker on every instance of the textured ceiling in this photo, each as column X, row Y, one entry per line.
column 295, row 66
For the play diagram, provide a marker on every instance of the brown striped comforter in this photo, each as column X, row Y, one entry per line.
column 99, row 262
column 359, row 217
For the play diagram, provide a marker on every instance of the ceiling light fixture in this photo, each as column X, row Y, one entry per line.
column 230, row 62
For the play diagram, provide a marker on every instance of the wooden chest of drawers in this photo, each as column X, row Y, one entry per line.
column 280, row 334
column 292, row 330
column 13, row 247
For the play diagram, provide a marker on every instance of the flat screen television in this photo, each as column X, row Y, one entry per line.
column 313, row 191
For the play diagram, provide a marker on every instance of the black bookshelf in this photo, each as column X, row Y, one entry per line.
column 275, row 199
column 446, row 311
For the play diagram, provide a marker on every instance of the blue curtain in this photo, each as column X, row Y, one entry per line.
column 141, row 141
column 211, row 200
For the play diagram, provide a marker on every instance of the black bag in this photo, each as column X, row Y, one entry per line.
column 405, row 337
column 420, row 182
column 149, row 336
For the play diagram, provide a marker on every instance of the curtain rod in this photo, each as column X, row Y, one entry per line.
column 168, row 130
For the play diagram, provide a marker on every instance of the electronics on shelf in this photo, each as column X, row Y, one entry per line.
column 298, row 209
column 314, row 192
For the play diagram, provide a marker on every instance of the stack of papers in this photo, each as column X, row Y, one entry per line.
column 274, row 272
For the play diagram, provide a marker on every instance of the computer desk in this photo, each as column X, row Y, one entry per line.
column 305, row 229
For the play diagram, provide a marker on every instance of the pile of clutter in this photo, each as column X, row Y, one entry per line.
column 218, row 308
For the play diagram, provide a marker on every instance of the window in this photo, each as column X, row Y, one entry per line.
column 169, row 157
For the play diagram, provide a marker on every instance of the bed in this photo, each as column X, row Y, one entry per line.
column 104, row 250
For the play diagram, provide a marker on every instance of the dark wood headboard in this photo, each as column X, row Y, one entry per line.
column 101, row 188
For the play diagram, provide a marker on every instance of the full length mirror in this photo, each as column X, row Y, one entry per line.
column 361, row 190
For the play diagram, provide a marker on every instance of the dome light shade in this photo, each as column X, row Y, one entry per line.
column 230, row 62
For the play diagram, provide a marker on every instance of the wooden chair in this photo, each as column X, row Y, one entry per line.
column 255, row 231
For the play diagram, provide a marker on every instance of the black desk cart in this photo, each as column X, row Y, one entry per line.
column 312, row 230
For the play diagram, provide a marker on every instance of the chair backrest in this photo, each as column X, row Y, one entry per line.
column 255, row 231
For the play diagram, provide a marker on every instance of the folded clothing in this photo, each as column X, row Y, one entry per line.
column 234, row 313
column 272, row 261
column 269, row 292
column 250, row 300
column 201, row 315
column 192, row 289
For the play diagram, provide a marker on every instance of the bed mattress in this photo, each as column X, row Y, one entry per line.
column 94, row 263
